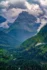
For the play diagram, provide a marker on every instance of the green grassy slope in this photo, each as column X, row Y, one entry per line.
column 31, row 55
column 36, row 47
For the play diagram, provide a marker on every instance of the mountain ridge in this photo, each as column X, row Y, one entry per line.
column 23, row 27
column 36, row 47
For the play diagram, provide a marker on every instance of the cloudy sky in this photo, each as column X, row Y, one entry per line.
column 10, row 9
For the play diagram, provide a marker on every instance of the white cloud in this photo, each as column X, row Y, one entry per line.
column 12, row 8
column 43, row 23
column 4, row 24
column 43, row 18
column 13, row 3
column 4, row 4
column 35, row 10
column 43, row 2
column 12, row 12
column 38, row 20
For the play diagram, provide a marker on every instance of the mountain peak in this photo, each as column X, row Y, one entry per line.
column 25, row 16
column 24, row 27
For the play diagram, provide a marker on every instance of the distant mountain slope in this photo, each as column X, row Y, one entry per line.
column 7, row 40
column 36, row 47
column 41, row 37
column 24, row 27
